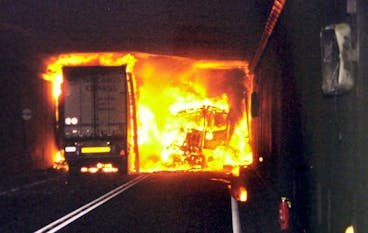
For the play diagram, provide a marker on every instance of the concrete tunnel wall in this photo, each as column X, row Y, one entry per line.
column 319, row 142
column 25, row 144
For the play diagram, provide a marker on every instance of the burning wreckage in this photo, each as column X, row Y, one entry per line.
column 202, row 140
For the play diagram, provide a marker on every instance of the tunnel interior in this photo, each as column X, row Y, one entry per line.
column 312, row 145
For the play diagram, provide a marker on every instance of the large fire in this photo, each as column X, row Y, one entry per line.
column 190, row 114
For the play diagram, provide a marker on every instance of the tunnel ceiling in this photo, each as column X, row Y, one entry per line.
column 189, row 28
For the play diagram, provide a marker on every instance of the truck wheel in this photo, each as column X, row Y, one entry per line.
column 123, row 168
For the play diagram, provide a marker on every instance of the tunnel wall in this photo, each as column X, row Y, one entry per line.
column 329, row 168
column 266, row 124
column 276, row 131
column 25, row 144
column 360, row 180
column 39, row 136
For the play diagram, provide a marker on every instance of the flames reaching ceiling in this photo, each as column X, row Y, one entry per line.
column 191, row 114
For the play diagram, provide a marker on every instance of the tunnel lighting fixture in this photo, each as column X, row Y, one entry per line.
column 70, row 149
column 268, row 29
column 96, row 149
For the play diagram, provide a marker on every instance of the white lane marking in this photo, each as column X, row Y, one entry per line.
column 74, row 215
column 235, row 216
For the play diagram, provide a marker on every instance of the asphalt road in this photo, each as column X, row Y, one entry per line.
column 161, row 202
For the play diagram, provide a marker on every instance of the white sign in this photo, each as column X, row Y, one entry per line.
column 26, row 114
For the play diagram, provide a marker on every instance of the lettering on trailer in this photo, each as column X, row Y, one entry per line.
column 103, row 88
column 104, row 103
column 105, row 85
column 108, row 87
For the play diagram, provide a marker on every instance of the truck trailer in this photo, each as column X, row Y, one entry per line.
column 93, row 118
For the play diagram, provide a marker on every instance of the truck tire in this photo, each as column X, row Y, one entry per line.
column 123, row 168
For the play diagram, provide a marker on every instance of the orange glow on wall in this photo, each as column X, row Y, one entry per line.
column 191, row 114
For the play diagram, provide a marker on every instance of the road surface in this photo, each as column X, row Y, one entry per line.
column 159, row 202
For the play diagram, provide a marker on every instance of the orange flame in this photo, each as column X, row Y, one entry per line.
column 179, row 100
column 56, row 63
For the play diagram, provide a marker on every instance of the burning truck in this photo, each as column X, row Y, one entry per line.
column 93, row 113
column 195, row 144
